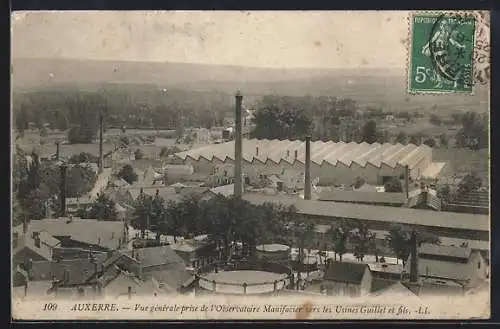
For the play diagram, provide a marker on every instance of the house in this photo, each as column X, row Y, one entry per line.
column 163, row 264
column 384, row 275
column 74, row 204
column 460, row 268
column 424, row 198
column 395, row 290
column 197, row 252
column 80, row 233
column 347, row 279
column 32, row 246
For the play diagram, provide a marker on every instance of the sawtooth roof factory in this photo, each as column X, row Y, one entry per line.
column 331, row 163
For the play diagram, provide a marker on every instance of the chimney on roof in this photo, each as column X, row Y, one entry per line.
column 257, row 151
column 101, row 132
column 238, row 149
column 57, row 150
column 414, row 258
column 407, row 181
column 307, row 178
column 36, row 237
column 62, row 196
column 15, row 239
column 296, row 154
column 157, row 192
column 66, row 276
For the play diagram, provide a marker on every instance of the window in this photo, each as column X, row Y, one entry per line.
column 478, row 265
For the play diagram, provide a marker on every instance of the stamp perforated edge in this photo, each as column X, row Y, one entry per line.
column 412, row 14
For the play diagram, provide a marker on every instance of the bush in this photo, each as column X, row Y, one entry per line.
column 393, row 185
column 138, row 154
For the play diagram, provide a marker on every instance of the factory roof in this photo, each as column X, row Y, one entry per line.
column 394, row 214
column 474, row 222
column 289, row 151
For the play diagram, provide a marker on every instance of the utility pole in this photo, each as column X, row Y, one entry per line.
column 101, row 131
column 238, row 149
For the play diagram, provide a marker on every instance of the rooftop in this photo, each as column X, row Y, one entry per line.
column 362, row 197
column 446, row 251
column 154, row 256
column 375, row 154
column 90, row 231
column 345, row 272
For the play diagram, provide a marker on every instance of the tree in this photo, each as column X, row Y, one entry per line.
column 128, row 174
column 474, row 132
column 360, row 181
column 399, row 240
column 393, row 185
column 84, row 110
column 82, row 157
column 138, row 154
column 443, row 141
column 275, row 122
column 364, row 241
column 431, row 142
column 416, row 139
column 469, row 183
column 340, row 236
column 402, row 138
column 103, row 208
column 370, row 132
column 142, row 213
column 435, row 119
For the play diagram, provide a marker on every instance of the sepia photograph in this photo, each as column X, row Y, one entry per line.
column 178, row 165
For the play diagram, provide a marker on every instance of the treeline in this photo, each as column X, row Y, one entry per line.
column 330, row 118
column 121, row 106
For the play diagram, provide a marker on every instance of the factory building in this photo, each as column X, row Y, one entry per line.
column 331, row 163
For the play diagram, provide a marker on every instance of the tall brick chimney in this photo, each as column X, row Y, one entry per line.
column 57, row 150
column 407, row 181
column 101, row 132
column 62, row 196
column 414, row 282
column 307, row 178
column 238, row 149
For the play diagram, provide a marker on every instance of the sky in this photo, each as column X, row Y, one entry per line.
column 297, row 39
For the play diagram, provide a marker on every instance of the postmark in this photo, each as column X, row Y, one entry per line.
column 441, row 57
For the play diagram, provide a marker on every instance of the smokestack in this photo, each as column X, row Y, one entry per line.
column 307, row 186
column 414, row 258
column 57, row 150
column 238, row 185
column 64, row 172
column 407, row 181
column 101, row 131
column 15, row 239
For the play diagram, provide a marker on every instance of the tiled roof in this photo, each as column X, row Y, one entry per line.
column 89, row 231
column 333, row 153
column 345, row 272
column 363, row 197
column 154, row 256
column 79, row 270
column 425, row 199
column 446, row 251
column 392, row 214
column 397, row 289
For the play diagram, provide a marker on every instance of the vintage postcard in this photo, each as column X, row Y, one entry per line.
column 180, row 165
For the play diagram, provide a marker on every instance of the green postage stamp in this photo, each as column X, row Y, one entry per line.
column 441, row 53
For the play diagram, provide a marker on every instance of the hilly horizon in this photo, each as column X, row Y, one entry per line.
column 385, row 88
column 33, row 72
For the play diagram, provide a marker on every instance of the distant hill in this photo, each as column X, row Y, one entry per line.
column 369, row 87
column 40, row 71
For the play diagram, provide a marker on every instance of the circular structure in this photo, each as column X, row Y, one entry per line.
column 273, row 251
column 246, row 278
column 274, row 247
